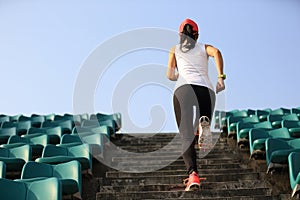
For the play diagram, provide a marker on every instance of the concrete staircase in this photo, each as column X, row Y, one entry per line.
column 155, row 170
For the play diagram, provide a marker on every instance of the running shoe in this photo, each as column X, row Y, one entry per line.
column 192, row 183
column 205, row 136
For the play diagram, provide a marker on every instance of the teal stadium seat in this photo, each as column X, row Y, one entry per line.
column 68, row 173
column 293, row 126
column 15, row 157
column 278, row 150
column 47, row 189
column 54, row 133
column 243, row 129
column 258, row 137
column 2, row 169
column 5, row 133
column 37, row 143
column 58, row 154
column 277, row 119
column 233, row 127
column 294, row 172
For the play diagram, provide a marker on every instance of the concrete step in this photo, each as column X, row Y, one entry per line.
column 117, row 174
column 175, row 179
column 182, row 194
column 171, row 187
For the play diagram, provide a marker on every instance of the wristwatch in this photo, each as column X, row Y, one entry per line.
column 223, row 76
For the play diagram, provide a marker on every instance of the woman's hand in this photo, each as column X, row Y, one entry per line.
column 220, row 85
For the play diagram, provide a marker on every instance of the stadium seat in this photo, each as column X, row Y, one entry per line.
column 293, row 126
column 2, row 169
column 47, row 189
column 5, row 133
column 296, row 111
column 3, row 118
column 68, row 173
column 58, row 154
column 37, row 120
column 257, row 139
column 15, row 157
column 96, row 124
column 37, row 143
column 243, row 129
column 49, row 117
column 54, row 133
column 116, row 117
column 277, row 119
column 294, row 172
column 251, row 119
column 66, row 125
column 262, row 114
column 278, row 150
column 14, row 118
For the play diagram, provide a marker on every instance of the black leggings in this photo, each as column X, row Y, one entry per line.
column 190, row 103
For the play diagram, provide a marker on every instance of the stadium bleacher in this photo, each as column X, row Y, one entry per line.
column 41, row 153
column 274, row 137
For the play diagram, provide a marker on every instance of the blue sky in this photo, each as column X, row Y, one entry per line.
column 44, row 44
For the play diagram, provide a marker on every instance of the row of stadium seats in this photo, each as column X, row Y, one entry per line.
column 39, row 178
column 273, row 135
column 57, row 151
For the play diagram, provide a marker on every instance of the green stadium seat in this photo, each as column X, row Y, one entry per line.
column 293, row 126
column 5, row 133
column 37, row 120
column 15, row 157
column 233, row 127
column 68, row 173
column 257, row 139
column 49, row 117
column 54, row 133
column 2, row 169
column 14, row 118
column 37, row 143
column 262, row 114
column 3, row 118
column 294, row 172
column 277, row 151
column 116, row 117
column 58, row 154
column 243, row 129
column 96, row 124
column 47, row 189
column 277, row 119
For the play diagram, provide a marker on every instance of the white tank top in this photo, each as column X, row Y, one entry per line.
column 193, row 66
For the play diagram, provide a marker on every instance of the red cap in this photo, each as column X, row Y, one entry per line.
column 190, row 22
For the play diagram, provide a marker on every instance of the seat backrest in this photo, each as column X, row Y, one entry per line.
column 279, row 133
column 295, row 143
column 66, row 138
column 294, row 167
column 46, row 189
column 82, row 150
column 274, row 117
column 35, row 169
column 52, row 150
column 9, row 124
column 69, row 170
column 290, row 123
column 41, row 140
column 17, row 139
column 23, row 152
column 8, row 131
column 34, row 130
column 54, row 130
column 92, row 139
column 292, row 117
column 12, row 190
column 265, row 125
